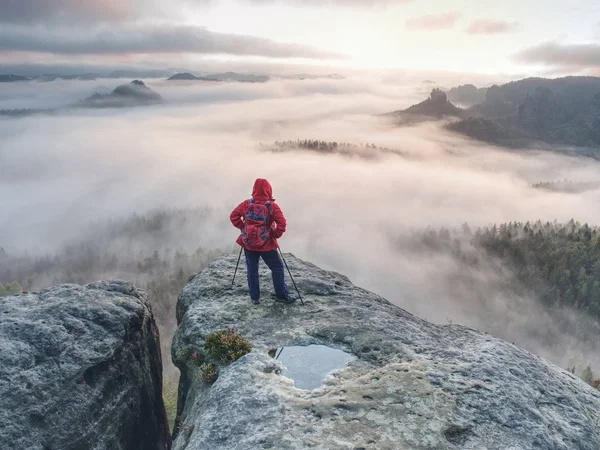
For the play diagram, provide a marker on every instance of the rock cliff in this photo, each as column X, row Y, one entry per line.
column 80, row 368
column 411, row 384
column 437, row 106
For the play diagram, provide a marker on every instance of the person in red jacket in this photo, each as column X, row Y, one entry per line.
column 261, row 223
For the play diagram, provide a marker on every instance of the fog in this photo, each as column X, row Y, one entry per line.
column 61, row 173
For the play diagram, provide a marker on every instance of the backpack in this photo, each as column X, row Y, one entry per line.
column 256, row 232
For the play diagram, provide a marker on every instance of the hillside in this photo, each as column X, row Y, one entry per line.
column 563, row 112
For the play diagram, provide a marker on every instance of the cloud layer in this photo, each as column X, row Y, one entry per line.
column 28, row 11
column 567, row 56
column 137, row 39
column 40, row 11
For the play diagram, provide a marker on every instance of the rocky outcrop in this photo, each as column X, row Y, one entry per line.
column 135, row 93
column 80, row 368
column 436, row 106
column 412, row 384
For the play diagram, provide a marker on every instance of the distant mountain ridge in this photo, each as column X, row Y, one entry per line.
column 251, row 78
column 559, row 112
column 10, row 78
column 131, row 94
column 562, row 111
column 172, row 74
column 184, row 76
column 227, row 76
column 308, row 76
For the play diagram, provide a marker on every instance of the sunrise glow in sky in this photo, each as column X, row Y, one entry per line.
column 531, row 37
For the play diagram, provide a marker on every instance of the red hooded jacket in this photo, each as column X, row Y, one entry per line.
column 261, row 193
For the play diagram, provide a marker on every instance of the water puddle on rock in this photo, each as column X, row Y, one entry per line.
column 308, row 366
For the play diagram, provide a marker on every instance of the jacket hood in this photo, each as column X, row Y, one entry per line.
column 262, row 190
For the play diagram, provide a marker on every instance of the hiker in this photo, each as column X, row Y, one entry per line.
column 261, row 221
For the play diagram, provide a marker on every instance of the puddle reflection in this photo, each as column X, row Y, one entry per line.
column 308, row 366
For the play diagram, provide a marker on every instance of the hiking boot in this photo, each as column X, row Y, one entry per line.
column 256, row 302
column 287, row 300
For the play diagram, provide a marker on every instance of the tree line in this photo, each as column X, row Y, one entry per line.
column 331, row 147
column 557, row 263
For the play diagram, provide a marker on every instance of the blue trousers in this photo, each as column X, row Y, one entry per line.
column 271, row 259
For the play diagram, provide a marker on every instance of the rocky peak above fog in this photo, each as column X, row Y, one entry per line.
column 409, row 384
column 135, row 93
column 436, row 106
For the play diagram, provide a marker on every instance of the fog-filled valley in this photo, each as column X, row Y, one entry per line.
column 145, row 193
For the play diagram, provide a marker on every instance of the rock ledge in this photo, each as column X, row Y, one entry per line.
column 414, row 385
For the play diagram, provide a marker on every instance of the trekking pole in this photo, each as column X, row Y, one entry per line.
column 280, row 352
column 288, row 269
column 236, row 266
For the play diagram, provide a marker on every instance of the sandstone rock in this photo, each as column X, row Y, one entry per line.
column 437, row 105
column 413, row 385
column 80, row 368
column 467, row 95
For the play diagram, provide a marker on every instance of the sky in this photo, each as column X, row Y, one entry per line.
column 512, row 37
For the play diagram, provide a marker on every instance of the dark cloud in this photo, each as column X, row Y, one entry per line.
column 25, row 11
column 41, row 11
column 569, row 56
column 133, row 39
column 433, row 21
column 490, row 26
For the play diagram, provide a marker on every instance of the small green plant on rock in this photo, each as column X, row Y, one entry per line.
column 226, row 346
column 209, row 373
column 188, row 355
column 10, row 289
column 183, row 354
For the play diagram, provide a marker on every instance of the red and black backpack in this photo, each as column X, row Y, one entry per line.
column 256, row 232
